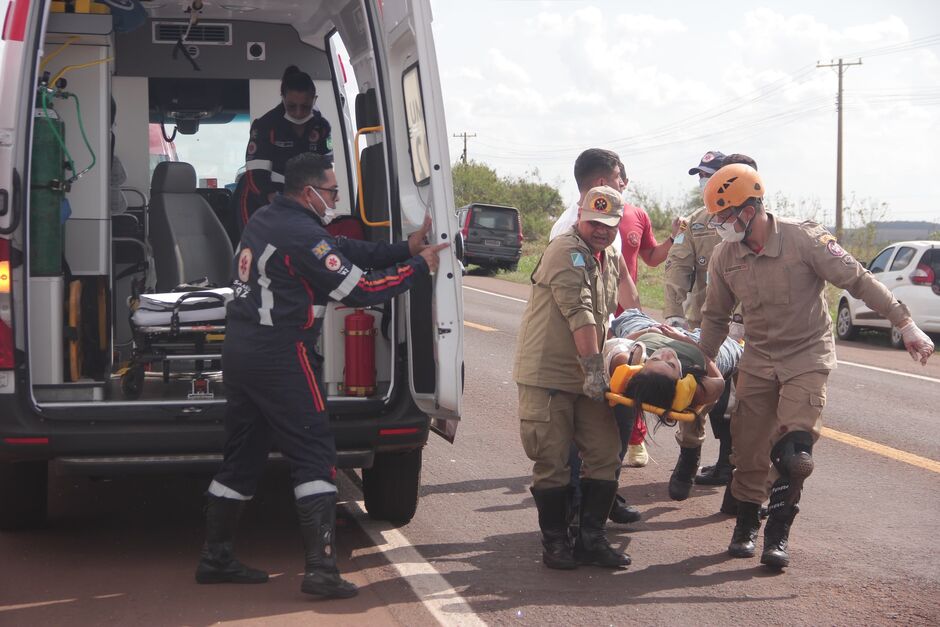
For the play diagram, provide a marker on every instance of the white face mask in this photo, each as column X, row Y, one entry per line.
column 702, row 182
column 329, row 213
column 302, row 120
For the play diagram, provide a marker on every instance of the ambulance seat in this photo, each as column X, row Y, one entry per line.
column 374, row 180
column 189, row 243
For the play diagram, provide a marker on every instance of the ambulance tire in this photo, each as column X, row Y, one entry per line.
column 390, row 487
column 23, row 488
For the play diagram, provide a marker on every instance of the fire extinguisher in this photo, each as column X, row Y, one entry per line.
column 359, row 375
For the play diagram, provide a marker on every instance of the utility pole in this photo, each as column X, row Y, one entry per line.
column 842, row 67
column 465, row 135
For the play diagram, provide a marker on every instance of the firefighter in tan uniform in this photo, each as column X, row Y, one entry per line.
column 560, row 373
column 777, row 269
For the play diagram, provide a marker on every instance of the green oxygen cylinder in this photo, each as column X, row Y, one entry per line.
column 46, row 195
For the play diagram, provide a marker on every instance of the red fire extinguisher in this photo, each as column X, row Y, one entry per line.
column 359, row 376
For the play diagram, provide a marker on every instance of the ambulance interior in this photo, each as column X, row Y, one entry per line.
column 185, row 91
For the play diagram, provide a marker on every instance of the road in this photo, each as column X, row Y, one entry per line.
column 863, row 548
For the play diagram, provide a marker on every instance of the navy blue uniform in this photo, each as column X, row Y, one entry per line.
column 287, row 268
column 271, row 143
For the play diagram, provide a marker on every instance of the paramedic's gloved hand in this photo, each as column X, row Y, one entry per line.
column 430, row 254
column 678, row 321
column 595, row 383
column 418, row 240
column 916, row 342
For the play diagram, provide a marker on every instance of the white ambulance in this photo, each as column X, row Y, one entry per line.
column 89, row 382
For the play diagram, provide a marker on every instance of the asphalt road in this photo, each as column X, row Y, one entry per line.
column 863, row 548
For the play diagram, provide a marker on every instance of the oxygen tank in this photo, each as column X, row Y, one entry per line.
column 46, row 195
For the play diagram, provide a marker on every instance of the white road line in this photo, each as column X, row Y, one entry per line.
column 518, row 300
column 897, row 372
column 437, row 595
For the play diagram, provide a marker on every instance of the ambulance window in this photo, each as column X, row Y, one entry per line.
column 903, row 258
column 881, row 261
column 417, row 130
column 216, row 151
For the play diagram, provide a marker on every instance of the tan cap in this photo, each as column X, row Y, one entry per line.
column 602, row 204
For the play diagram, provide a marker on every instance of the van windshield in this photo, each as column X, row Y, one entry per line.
column 216, row 151
column 492, row 218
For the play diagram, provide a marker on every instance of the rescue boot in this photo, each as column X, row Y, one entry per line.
column 217, row 563
column 317, row 515
column 729, row 504
column 719, row 474
column 592, row 547
column 552, row 504
column 623, row 513
column 776, row 537
column 793, row 458
column 680, row 483
column 745, row 530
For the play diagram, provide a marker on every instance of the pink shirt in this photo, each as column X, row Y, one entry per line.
column 636, row 234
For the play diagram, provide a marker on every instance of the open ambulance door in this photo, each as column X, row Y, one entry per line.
column 434, row 316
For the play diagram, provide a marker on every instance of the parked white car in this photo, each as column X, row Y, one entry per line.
column 911, row 270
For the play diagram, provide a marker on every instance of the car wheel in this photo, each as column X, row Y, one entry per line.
column 23, row 494
column 845, row 330
column 897, row 340
column 390, row 487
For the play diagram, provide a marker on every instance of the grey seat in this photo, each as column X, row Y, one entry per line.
column 189, row 243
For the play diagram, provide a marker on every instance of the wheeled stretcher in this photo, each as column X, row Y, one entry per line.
column 177, row 327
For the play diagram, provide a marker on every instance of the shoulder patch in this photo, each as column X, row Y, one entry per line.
column 698, row 226
column 244, row 265
column 848, row 260
column 332, row 263
column 679, row 238
column 252, row 147
column 577, row 260
column 329, row 143
column 321, row 249
column 834, row 249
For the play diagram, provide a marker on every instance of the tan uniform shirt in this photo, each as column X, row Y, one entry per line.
column 569, row 291
column 687, row 268
column 788, row 330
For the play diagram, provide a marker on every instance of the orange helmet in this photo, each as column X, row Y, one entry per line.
column 731, row 186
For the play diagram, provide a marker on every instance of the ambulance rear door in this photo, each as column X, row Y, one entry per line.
column 418, row 134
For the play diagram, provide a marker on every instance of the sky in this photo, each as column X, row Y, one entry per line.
column 662, row 83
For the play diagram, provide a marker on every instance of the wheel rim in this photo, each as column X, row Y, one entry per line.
column 845, row 321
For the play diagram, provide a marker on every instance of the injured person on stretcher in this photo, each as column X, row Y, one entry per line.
column 661, row 369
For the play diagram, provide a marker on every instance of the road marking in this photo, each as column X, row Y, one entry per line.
column 518, row 300
column 881, row 449
column 897, row 372
column 437, row 595
column 478, row 327
column 28, row 606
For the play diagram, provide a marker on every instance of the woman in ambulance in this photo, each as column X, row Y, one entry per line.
column 292, row 127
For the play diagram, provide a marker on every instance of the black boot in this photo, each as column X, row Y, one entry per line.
column 592, row 547
column 680, row 483
column 317, row 515
column 622, row 512
column 217, row 564
column 729, row 504
column 776, row 537
column 552, row 504
column 745, row 531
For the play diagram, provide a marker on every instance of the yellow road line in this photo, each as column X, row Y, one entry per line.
column 881, row 449
column 478, row 327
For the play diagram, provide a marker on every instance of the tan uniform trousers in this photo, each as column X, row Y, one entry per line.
column 767, row 410
column 550, row 420
column 691, row 434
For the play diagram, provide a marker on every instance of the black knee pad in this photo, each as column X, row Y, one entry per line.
column 790, row 445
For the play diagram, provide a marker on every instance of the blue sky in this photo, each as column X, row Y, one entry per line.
column 661, row 83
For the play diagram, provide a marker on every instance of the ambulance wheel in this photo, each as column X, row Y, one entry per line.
column 390, row 487
column 132, row 382
column 845, row 330
column 23, row 494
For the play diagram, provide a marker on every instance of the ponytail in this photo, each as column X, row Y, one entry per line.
column 295, row 80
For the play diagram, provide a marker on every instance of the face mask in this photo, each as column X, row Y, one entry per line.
column 702, row 182
column 728, row 234
column 294, row 120
column 329, row 213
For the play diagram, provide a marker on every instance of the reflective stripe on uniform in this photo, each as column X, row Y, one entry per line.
column 277, row 177
column 311, row 488
column 222, row 491
column 267, row 296
column 319, row 311
column 344, row 288
column 259, row 164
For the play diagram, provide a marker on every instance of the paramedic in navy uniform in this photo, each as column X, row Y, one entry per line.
column 289, row 129
column 287, row 269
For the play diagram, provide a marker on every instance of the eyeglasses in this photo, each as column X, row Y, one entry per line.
column 721, row 219
column 332, row 190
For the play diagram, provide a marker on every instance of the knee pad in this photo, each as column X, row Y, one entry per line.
column 793, row 454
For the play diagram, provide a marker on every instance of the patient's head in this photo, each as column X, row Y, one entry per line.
column 664, row 362
column 652, row 388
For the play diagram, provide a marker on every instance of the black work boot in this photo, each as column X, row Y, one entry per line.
column 729, row 504
column 552, row 504
column 317, row 515
column 622, row 512
column 592, row 547
column 680, row 483
column 776, row 537
column 719, row 474
column 745, row 530
column 217, row 563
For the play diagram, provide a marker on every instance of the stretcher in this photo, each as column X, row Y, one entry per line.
column 681, row 408
column 177, row 327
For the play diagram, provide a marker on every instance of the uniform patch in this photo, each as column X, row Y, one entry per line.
column 284, row 144
column 679, row 238
column 634, row 239
column 320, row 250
column 702, row 260
column 329, row 143
column 577, row 260
column 834, row 249
column 698, row 226
column 252, row 148
column 332, row 262
column 825, row 238
column 314, row 135
column 600, row 205
column 669, row 262
column 244, row 265
column 731, row 269
column 848, row 260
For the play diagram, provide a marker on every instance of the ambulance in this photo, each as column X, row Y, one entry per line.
column 123, row 127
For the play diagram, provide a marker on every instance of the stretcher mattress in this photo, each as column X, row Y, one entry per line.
column 195, row 307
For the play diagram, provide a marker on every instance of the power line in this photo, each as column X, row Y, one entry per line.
column 465, row 135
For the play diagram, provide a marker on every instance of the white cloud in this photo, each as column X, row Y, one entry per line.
column 507, row 67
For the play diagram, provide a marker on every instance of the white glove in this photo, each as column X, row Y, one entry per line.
column 678, row 321
column 736, row 331
column 916, row 342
